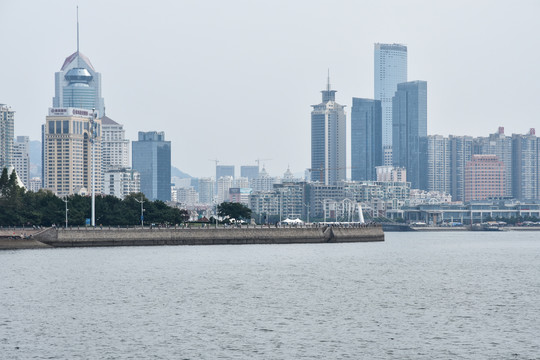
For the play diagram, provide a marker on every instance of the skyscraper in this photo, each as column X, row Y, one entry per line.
column 437, row 163
column 390, row 62
column 206, row 190
column 68, row 151
column 151, row 157
column 249, row 171
column 366, row 139
column 6, row 136
column 77, row 84
column 224, row 170
column 461, row 150
column 328, row 139
column 114, row 145
column 409, row 124
column 21, row 159
column 525, row 166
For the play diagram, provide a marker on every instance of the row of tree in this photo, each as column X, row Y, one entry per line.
column 25, row 208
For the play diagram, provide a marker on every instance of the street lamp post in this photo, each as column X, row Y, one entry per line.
column 65, row 200
column 142, row 210
column 307, row 208
column 92, row 141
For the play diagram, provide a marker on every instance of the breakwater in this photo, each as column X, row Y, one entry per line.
column 88, row 237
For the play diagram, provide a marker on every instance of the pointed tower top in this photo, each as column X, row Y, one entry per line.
column 77, row 29
column 328, row 83
column 328, row 94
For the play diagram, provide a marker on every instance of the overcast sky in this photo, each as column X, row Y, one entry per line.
column 234, row 80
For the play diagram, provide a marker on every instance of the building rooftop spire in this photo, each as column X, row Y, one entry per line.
column 328, row 94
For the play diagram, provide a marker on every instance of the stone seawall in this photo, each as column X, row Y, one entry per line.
column 206, row 236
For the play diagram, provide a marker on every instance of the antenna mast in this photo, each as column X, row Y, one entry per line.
column 78, row 57
column 328, row 85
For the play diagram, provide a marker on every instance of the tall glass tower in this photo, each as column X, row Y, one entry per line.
column 366, row 147
column 410, row 130
column 328, row 139
column 77, row 84
column 390, row 69
column 152, row 158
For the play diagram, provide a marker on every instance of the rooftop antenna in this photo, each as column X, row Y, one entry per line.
column 328, row 85
column 78, row 57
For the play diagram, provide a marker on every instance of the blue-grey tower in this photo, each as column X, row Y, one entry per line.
column 366, row 139
column 77, row 84
column 151, row 157
column 409, row 125
column 390, row 61
column 328, row 139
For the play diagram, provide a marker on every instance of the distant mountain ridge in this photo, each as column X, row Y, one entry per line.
column 179, row 173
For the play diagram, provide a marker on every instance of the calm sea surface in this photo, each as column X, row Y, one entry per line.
column 416, row 296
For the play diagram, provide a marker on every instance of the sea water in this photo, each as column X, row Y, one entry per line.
column 445, row 295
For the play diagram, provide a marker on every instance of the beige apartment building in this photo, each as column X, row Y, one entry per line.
column 67, row 151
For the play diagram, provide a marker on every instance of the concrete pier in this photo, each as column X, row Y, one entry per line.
column 56, row 237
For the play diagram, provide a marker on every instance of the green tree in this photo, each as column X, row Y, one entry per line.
column 234, row 210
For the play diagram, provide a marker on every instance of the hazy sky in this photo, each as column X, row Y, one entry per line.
column 234, row 80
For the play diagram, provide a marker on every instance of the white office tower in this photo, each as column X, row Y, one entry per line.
column 6, row 136
column 21, row 159
column 114, row 145
column 328, row 139
column 224, row 183
column 390, row 69
column 121, row 182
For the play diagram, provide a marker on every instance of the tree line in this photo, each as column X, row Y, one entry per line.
column 19, row 207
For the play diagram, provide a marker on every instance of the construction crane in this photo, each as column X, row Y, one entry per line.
column 214, row 160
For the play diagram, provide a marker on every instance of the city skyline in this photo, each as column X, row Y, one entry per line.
column 225, row 61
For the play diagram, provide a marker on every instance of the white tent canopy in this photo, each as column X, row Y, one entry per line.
column 290, row 221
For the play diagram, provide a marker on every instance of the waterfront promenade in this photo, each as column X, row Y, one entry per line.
column 152, row 236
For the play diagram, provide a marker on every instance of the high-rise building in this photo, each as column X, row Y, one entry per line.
column 206, row 190
column 21, row 159
column 151, row 157
column 67, row 151
column 390, row 69
column 461, row 150
column 224, row 170
column 328, row 139
column 224, row 183
column 366, row 139
column 437, row 164
column 114, row 145
column 409, row 127
column 500, row 145
column 249, row 171
column 6, row 136
column 484, row 178
column 525, row 166
column 77, row 84
column 121, row 182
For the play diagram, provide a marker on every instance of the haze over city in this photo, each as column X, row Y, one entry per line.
column 235, row 80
